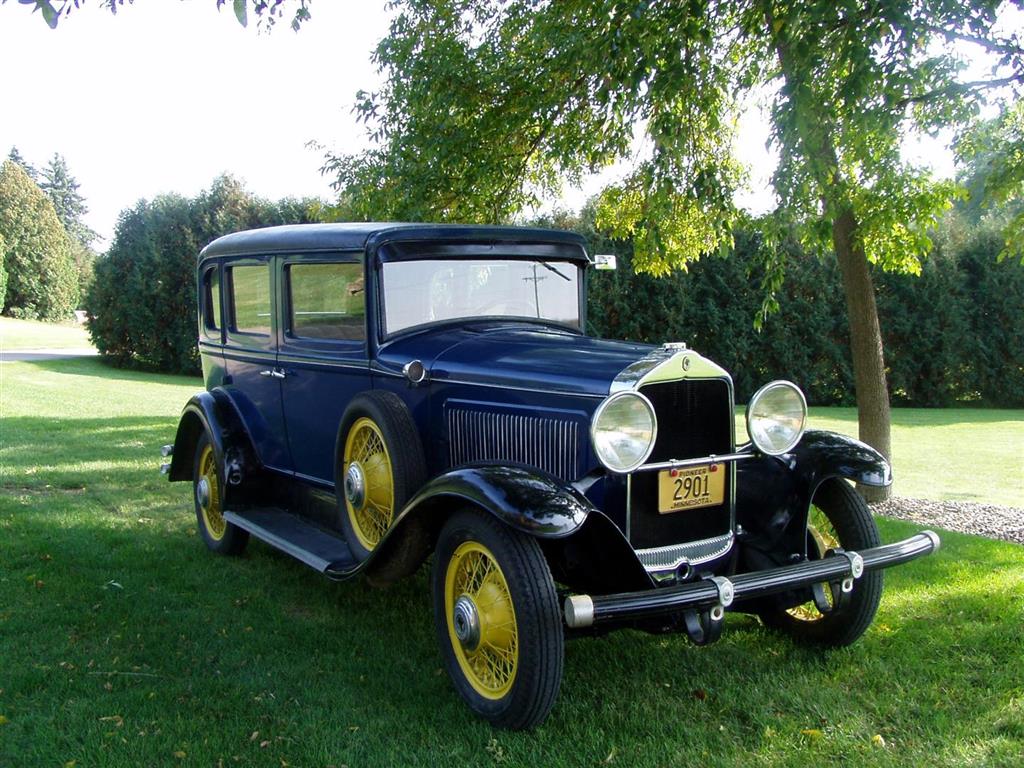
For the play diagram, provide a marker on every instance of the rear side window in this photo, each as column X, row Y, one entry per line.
column 250, row 299
column 211, row 302
column 327, row 301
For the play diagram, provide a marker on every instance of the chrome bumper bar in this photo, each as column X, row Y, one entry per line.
column 718, row 592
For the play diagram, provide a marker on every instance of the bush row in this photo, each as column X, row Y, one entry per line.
column 142, row 302
column 953, row 334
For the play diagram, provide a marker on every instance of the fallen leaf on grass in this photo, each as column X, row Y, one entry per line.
column 3, row 720
column 117, row 720
column 878, row 741
column 700, row 694
column 611, row 756
column 255, row 735
column 264, row 744
column 812, row 733
column 180, row 754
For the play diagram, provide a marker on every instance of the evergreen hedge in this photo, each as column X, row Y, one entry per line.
column 142, row 301
column 41, row 281
column 954, row 334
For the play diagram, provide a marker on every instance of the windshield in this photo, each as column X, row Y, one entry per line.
column 421, row 292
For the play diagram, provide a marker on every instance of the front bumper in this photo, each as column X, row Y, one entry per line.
column 718, row 592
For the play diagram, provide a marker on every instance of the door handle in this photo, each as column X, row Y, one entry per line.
column 276, row 373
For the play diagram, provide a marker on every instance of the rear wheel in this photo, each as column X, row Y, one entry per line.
column 838, row 518
column 380, row 467
column 497, row 620
column 208, row 493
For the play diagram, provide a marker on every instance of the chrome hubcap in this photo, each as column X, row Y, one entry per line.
column 466, row 620
column 203, row 492
column 355, row 485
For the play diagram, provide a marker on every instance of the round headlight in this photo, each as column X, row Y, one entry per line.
column 623, row 431
column 776, row 417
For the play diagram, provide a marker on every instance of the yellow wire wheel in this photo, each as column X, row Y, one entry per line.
column 838, row 518
column 497, row 618
column 481, row 620
column 208, row 494
column 823, row 537
column 369, row 482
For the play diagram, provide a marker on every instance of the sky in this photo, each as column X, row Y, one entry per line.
column 167, row 95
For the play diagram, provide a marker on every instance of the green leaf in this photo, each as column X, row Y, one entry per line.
column 241, row 12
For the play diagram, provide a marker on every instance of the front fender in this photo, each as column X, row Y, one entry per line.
column 585, row 549
column 774, row 493
column 524, row 499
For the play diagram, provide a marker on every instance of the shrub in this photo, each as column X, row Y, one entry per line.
column 41, row 279
column 142, row 301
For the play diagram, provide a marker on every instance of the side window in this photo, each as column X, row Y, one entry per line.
column 211, row 302
column 327, row 301
column 250, row 299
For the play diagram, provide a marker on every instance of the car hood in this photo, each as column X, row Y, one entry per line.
column 523, row 357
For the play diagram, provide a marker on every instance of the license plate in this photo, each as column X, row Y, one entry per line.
column 691, row 487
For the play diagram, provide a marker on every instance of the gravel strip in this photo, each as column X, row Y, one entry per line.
column 1006, row 523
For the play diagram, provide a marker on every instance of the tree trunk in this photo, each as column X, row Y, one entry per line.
column 865, row 344
column 816, row 137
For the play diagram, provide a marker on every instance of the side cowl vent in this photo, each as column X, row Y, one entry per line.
column 546, row 442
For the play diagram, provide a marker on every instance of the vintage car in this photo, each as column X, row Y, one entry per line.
column 377, row 393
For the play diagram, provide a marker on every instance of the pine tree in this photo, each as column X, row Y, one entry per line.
column 62, row 189
column 15, row 157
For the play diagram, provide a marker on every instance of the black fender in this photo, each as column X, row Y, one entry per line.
column 214, row 413
column 577, row 537
column 773, row 493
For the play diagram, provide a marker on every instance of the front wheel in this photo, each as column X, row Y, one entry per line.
column 497, row 620
column 838, row 518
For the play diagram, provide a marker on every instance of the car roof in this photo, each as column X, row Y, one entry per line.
column 306, row 238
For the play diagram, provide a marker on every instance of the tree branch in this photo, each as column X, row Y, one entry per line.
column 954, row 88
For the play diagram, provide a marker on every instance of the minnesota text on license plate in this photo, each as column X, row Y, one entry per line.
column 692, row 487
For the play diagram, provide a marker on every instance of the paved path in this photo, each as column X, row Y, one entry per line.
column 32, row 355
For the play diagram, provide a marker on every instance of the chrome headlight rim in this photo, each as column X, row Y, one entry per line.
column 595, row 419
column 778, row 383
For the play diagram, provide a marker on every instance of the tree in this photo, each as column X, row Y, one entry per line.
column 142, row 304
column 62, row 189
column 993, row 153
column 41, row 281
column 3, row 272
column 267, row 11
column 15, row 157
column 487, row 105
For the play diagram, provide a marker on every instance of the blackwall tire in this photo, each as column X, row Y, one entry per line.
column 208, row 496
column 839, row 518
column 497, row 619
column 379, row 466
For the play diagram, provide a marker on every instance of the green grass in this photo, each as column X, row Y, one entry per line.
column 28, row 334
column 124, row 643
column 960, row 454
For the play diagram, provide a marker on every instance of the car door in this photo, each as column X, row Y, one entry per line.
column 322, row 352
column 250, row 357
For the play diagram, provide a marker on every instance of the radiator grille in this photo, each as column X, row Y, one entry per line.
column 551, row 444
column 695, row 418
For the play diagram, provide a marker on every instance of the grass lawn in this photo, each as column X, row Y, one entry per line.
column 958, row 454
column 28, row 334
column 124, row 643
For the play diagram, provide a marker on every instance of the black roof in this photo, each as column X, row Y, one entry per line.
column 306, row 238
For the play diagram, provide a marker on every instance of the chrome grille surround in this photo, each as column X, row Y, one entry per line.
column 667, row 363
column 548, row 443
column 692, row 552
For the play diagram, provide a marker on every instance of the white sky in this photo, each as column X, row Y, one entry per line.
column 167, row 95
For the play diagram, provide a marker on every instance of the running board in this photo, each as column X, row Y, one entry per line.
column 321, row 550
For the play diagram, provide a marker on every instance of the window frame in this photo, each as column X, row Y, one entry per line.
column 288, row 308
column 228, row 281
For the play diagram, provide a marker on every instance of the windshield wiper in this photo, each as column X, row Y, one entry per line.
column 552, row 269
